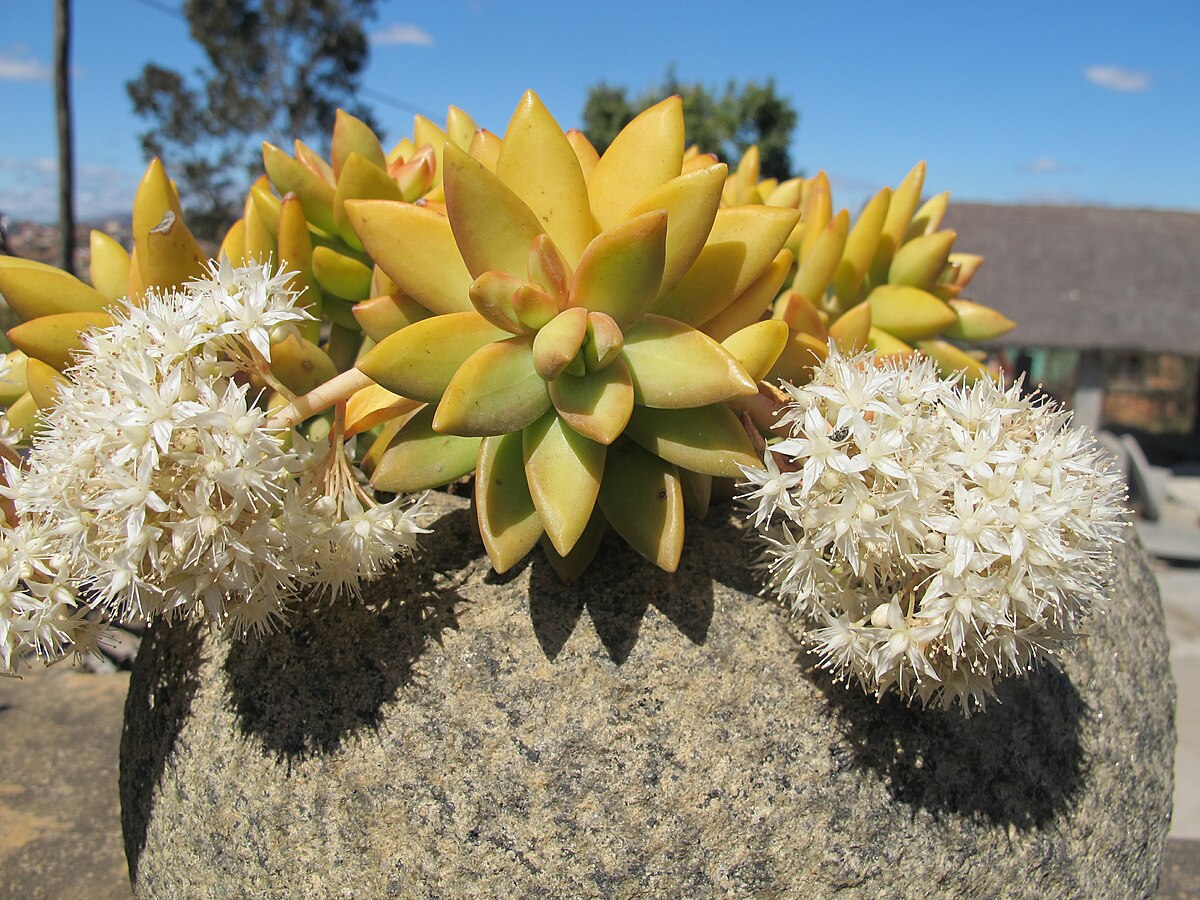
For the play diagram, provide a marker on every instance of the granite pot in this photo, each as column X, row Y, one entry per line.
column 461, row 733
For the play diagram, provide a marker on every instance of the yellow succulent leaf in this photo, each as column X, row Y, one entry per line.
column 748, row 306
column 549, row 269
column 584, row 152
column 597, row 404
column 977, row 322
column 786, row 193
column 44, row 382
column 374, row 405
column 801, row 315
column 360, row 180
column 538, row 163
column 418, row 458
column 492, row 295
column 14, row 384
column 340, row 275
column 691, row 202
column 353, row 135
column 928, row 218
column 137, row 286
column 697, row 492
column 34, row 290
column 54, row 338
column 419, row 361
column 233, row 246
column 22, row 415
column 312, row 160
column 168, row 255
column 821, row 260
column 604, row 341
column 647, row 153
column 295, row 256
column 860, row 248
column 388, row 313
column 887, row 345
column 558, row 342
column 291, row 176
column 907, row 312
column 803, row 351
column 382, row 440
column 485, row 149
column 266, row 202
column 895, row 225
column 416, row 248
column 967, row 265
column 920, row 261
column 109, row 267
column 403, row 149
column 564, row 470
column 705, row 439
column 427, row 133
column 508, row 521
column 460, row 127
column 573, row 564
column 497, row 389
column 621, row 269
column 758, row 346
column 300, row 364
column 642, row 500
column 850, row 330
column 817, row 211
column 492, row 225
column 745, row 178
column 675, row 366
column 742, row 244
column 951, row 360
column 261, row 246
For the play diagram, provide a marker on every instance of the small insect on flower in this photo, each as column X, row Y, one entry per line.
column 932, row 537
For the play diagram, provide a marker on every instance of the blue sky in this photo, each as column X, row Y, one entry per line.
column 1068, row 102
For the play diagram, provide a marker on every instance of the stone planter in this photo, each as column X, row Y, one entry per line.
column 466, row 734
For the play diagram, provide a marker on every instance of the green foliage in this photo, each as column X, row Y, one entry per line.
column 722, row 123
column 276, row 70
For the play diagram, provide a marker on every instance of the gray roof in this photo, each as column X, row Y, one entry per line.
column 1087, row 277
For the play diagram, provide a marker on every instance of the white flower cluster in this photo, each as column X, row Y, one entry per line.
column 153, row 487
column 932, row 536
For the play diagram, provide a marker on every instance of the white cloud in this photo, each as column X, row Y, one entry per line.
column 16, row 65
column 28, row 189
column 401, row 33
column 1114, row 78
column 1043, row 165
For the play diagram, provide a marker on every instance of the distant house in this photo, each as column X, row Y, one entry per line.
column 1106, row 283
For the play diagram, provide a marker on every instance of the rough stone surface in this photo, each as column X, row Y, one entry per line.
column 637, row 734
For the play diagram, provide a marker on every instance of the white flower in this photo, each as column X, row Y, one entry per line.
column 932, row 536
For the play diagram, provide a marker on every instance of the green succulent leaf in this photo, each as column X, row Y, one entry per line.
column 300, row 364
column 419, row 361
column 420, row 458
column 674, row 366
column 290, row 176
column 571, row 566
column 360, row 180
column 758, row 346
column 564, row 470
column 919, row 262
column 386, row 314
column 596, row 404
column 706, row 439
column 496, row 390
column 643, row 501
column 558, row 342
column 908, row 312
column 977, row 322
column 34, row 289
column 341, row 275
column 508, row 521
column 622, row 268
column 697, row 492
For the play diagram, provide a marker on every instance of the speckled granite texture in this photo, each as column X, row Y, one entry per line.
column 467, row 734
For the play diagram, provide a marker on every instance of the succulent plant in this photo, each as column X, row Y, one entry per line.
column 589, row 322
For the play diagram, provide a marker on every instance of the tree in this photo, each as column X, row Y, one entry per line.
column 66, row 149
column 276, row 70
column 724, row 124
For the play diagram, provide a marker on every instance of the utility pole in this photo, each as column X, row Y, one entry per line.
column 66, row 151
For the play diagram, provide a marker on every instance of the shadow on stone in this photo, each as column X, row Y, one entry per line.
column 159, row 702
column 323, row 687
column 1020, row 764
column 617, row 589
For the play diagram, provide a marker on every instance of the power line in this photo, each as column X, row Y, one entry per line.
column 370, row 93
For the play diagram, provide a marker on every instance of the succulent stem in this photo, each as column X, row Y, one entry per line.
column 320, row 399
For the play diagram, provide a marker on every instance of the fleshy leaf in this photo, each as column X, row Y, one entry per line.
column 885, row 344
column 460, row 127
column 492, row 225
column 291, row 176
column 353, row 135
column 415, row 247
column 420, row 458
column 850, row 330
column 495, row 390
column 508, row 520
column 803, row 351
column 533, row 307
column 419, row 361
column 548, row 269
column 300, row 364
column 374, row 405
column 697, row 492
column 109, row 267
column 741, row 246
column 584, row 151
column 558, row 342
column 900, row 210
column 564, row 470
column 14, row 383
column 818, row 268
column 907, row 312
column 537, row 162
column 597, row 404
column 386, row 314
column 977, row 322
column 604, row 341
column 674, row 366
column 53, row 339
column 35, row 289
column 950, row 360
column 485, row 149
column 800, row 315
column 860, row 248
column 757, row 346
column 621, row 269
column 642, row 499
column 571, row 566
column 360, row 180
column 748, row 306
column 492, row 296
column 341, row 275
column 919, row 262
column 43, row 382
column 691, row 203
column 707, row 439
column 647, row 153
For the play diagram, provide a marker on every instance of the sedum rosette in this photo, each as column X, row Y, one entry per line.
column 588, row 322
column 932, row 536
